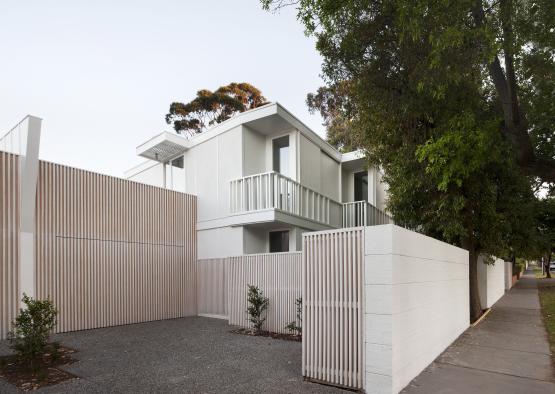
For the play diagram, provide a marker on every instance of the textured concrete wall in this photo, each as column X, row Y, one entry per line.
column 416, row 304
column 491, row 281
column 508, row 275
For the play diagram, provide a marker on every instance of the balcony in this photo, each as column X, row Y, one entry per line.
column 362, row 213
column 273, row 191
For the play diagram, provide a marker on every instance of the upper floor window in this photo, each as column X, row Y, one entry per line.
column 361, row 186
column 280, row 155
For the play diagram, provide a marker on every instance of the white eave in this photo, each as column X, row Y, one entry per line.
column 163, row 147
column 265, row 120
column 353, row 160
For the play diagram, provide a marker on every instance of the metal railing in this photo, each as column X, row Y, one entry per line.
column 273, row 190
column 362, row 213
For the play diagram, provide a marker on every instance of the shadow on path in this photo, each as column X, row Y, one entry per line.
column 508, row 352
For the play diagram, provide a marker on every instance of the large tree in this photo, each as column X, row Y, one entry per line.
column 210, row 108
column 453, row 99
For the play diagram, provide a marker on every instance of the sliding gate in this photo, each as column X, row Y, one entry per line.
column 332, row 307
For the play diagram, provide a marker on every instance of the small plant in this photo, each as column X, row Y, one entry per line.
column 258, row 304
column 293, row 327
column 31, row 329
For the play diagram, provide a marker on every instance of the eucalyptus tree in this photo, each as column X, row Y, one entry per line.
column 210, row 108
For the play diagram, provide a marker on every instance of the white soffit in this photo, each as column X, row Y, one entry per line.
column 163, row 147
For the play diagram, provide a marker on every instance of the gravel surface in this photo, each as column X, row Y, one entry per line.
column 189, row 355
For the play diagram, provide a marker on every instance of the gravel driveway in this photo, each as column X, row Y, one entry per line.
column 192, row 355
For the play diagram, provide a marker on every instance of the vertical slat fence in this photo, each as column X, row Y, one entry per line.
column 278, row 275
column 111, row 251
column 333, row 264
column 9, row 239
column 212, row 287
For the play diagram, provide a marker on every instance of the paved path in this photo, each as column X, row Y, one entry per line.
column 507, row 352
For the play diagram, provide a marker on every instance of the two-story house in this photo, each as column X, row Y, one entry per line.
column 262, row 178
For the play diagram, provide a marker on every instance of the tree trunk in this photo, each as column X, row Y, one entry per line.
column 547, row 264
column 475, row 304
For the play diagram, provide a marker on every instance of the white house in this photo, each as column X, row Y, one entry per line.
column 262, row 178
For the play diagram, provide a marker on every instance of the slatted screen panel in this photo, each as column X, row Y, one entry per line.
column 212, row 287
column 332, row 307
column 111, row 251
column 278, row 275
column 9, row 239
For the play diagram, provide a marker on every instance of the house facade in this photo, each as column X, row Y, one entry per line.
column 263, row 178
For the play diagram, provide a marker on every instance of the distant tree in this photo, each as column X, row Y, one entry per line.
column 546, row 228
column 210, row 108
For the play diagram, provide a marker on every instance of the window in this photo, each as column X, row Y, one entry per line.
column 280, row 154
column 279, row 241
column 361, row 186
column 177, row 162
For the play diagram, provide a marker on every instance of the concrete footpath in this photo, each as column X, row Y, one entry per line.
column 507, row 352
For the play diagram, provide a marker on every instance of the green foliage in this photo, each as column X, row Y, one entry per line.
column 210, row 108
column 258, row 304
column 31, row 328
column 453, row 100
column 293, row 326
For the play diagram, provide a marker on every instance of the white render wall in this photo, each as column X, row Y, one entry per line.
column 508, row 275
column 416, row 304
column 491, row 281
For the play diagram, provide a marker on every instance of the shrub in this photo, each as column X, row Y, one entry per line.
column 293, row 327
column 31, row 328
column 258, row 304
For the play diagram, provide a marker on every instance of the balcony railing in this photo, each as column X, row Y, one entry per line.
column 362, row 213
column 273, row 190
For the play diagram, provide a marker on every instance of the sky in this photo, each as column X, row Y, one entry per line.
column 102, row 74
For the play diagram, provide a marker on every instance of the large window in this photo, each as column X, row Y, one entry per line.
column 280, row 154
column 279, row 241
column 361, row 186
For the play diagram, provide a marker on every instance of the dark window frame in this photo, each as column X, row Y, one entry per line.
column 278, row 241
column 278, row 144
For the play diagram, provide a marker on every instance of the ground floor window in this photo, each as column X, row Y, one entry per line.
column 279, row 241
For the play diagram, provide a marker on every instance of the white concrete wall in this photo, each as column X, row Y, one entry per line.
column 254, row 153
column 508, row 275
column 491, row 281
column 151, row 173
column 416, row 304
column 220, row 242
column 318, row 171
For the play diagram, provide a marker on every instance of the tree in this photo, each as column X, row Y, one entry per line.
column 546, row 228
column 210, row 108
column 460, row 142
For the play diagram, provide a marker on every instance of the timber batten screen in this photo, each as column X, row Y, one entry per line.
column 333, row 334
column 111, row 251
column 9, row 239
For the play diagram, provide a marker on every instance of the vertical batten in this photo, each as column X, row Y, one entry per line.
column 109, row 251
column 332, row 307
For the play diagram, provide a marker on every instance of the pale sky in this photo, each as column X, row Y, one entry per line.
column 102, row 74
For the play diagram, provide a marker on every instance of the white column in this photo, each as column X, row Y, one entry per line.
column 29, row 162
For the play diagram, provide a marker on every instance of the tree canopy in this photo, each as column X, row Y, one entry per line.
column 210, row 108
column 454, row 100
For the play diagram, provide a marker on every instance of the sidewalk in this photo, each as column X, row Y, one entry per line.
column 507, row 352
